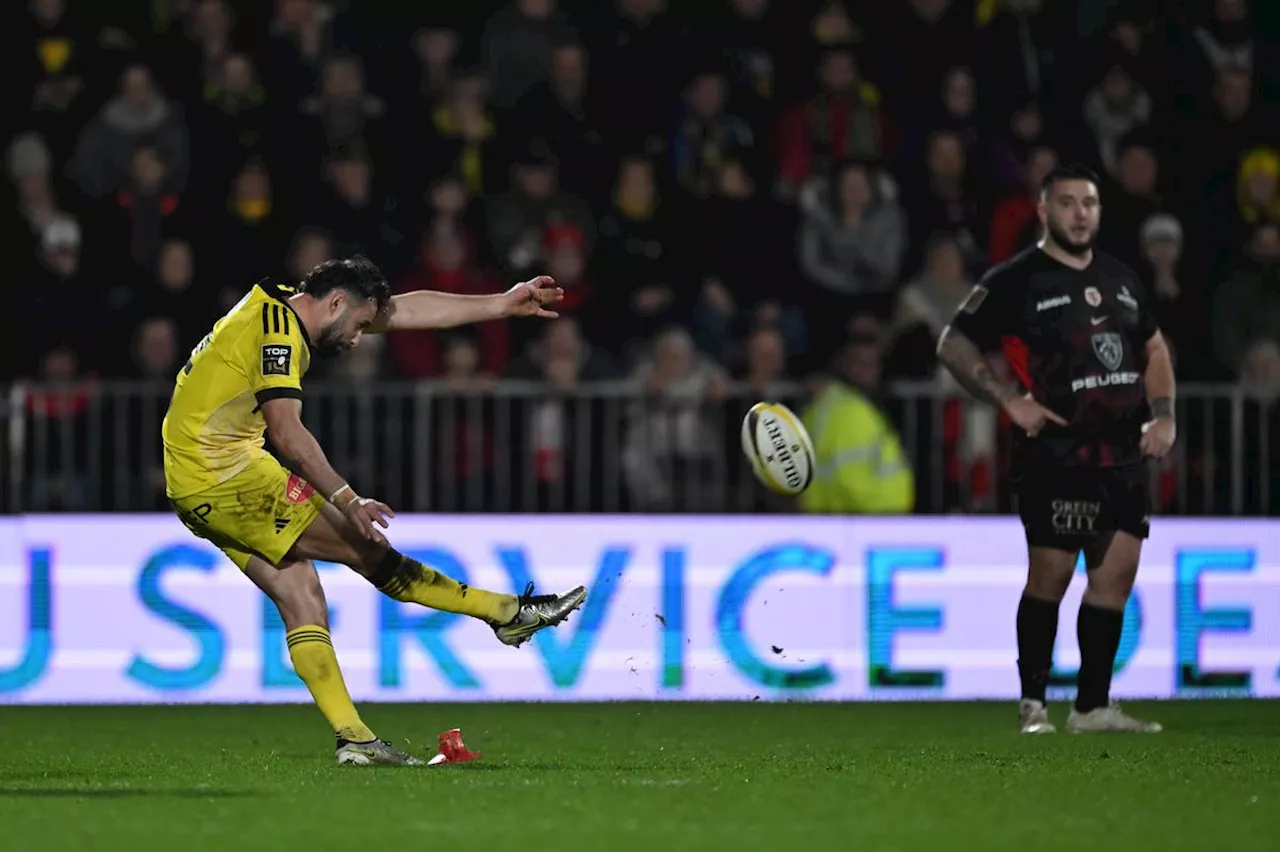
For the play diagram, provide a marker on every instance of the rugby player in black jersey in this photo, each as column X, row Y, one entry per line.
column 1096, row 401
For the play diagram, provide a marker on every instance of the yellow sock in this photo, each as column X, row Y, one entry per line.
column 407, row 580
column 311, row 650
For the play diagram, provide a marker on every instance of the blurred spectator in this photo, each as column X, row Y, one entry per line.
column 1134, row 199
column 140, row 113
column 736, row 259
column 946, row 199
column 253, row 228
column 61, row 49
column 1020, row 43
column 56, row 413
column 925, row 305
column 705, row 133
column 563, row 112
column 1015, row 223
column 563, row 358
column 344, row 112
column 1258, row 186
column 143, row 206
column 671, row 449
column 1246, row 308
column 207, row 43
column 362, row 218
column 859, row 463
column 463, row 370
column 155, row 349
column 634, row 229
column 1260, row 369
column 843, row 121
column 562, row 433
column 463, row 139
column 311, row 247
column 446, row 262
column 1210, row 137
column 518, row 219
column 1177, row 310
column 756, row 45
column 638, row 34
column 60, row 297
column 436, row 50
column 565, row 253
column 941, row 35
column 173, row 292
column 1225, row 40
column 1112, row 109
column 30, row 165
column 302, row 32
column 764, row 363
column 232, row 122
column 852, row 239
column 957, row 111
column 517, row 47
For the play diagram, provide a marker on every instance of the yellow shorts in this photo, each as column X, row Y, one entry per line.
column 262, row 511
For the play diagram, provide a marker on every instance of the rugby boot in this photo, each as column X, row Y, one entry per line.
column 538, row 612
column 1033, row 717
column 374, row 753
column 1109, row 719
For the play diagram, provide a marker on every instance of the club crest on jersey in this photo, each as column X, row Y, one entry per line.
column 275, row 360
column 297, row 489
column 1109, row 348
column 1092, row 296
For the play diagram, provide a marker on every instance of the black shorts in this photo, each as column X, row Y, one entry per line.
column 1069, row 508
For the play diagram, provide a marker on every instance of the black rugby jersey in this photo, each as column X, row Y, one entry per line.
column 1076, row 339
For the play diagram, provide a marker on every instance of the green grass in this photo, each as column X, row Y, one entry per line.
column 626, row 776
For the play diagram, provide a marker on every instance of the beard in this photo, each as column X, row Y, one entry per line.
column 1063, row 241
column 330, row 344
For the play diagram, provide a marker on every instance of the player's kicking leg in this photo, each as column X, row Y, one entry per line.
column 514, row 619
column 1113, row 567
column 295, row 589
column 1048, row 576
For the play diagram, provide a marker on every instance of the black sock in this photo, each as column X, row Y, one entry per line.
column 1098, row 631
column 1037, row 628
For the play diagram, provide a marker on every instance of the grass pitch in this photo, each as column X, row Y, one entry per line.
column 638, row 776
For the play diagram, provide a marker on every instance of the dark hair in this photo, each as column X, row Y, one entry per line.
column 358, row 275
column 1075, row 171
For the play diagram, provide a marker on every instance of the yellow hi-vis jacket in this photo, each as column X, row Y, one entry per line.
column 859, row 466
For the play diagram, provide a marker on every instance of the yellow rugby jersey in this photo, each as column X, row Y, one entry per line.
column 214, row 426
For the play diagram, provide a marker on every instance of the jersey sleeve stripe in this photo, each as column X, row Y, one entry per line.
column 267, row 394
column 285, row 314
column 265, row 327
column 275, row 319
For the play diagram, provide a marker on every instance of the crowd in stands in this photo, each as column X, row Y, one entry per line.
column 730, row 189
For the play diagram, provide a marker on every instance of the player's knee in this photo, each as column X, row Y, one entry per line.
column 1049, row 576
column 302, row 601
column 1111, row 584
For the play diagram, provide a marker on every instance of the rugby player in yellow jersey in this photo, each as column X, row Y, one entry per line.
column 244, row 379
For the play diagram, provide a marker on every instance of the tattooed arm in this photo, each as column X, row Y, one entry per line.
column 971, row 368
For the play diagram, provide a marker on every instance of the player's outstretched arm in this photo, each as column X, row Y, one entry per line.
column 424, row 309
column 296, row 443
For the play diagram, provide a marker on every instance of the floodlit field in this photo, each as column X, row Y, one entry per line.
column 626, row 776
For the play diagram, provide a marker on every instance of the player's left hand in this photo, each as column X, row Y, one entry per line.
column 530, row 298
column 1158, row 436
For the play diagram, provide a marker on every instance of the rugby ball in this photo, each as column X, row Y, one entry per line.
column 778, row 447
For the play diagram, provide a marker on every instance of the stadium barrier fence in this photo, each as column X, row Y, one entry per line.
column 516, row 447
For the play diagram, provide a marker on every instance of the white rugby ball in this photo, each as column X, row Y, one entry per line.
column 778, row 447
